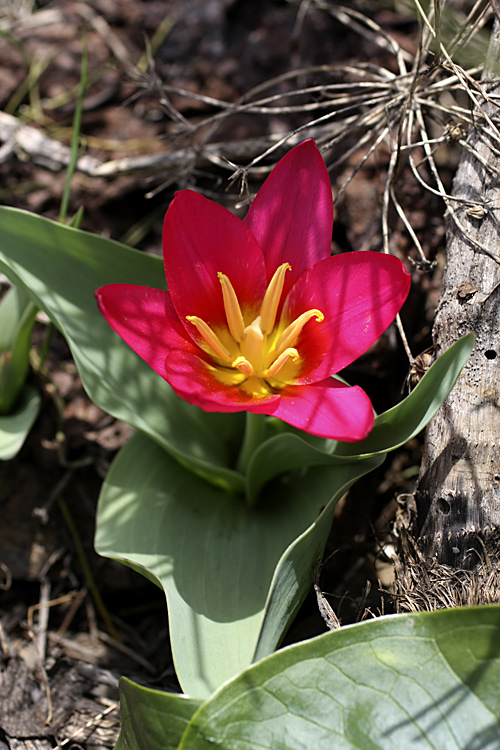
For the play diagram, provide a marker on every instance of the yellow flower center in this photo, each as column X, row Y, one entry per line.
column 261, row 355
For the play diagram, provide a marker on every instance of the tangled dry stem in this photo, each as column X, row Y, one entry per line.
column 407, row 108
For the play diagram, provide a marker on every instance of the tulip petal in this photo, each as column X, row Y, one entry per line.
column 292, row 214
column 329, row 409
column 146, row 320
column 359, row 294
column 201, row 239
column 193, row 380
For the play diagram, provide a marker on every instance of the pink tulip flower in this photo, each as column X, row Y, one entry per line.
column 259, row 315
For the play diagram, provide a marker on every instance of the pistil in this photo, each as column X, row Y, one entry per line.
column 253, row 344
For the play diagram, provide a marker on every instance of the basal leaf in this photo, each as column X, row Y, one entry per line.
column 214, row 557
column 15, row 427
column 283, row 453
column 392, row 429
column 151, row 719
column 400, row 424
column 292, row 577
column 17, row 316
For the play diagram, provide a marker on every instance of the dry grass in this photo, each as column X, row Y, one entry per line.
column 402, row 111
column 423, row 585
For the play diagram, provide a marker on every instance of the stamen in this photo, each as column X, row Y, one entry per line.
column 252, row 344
column 272, row 298
column 232, row 308
column 291, row 333
column 243, row 366
column 281, row 360
column 210, row 337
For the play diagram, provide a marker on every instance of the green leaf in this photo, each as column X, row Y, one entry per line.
column 283, row 453
column 17, row 316
column 292, row 576
column 61, row 267
column 15, row 427
column 215, row 558
column 152, row 719
column 392, row 429
column 400, row 424
column 424, row 681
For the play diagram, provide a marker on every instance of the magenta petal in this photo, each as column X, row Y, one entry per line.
column 194, row 381
column 329, row 409
column 292, row 214
column 359, row 294
column 200, row 239
column 146, row 320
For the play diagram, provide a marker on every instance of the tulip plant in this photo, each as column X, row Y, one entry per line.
column 246, row 438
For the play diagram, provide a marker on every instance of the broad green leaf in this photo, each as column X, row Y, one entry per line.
column 283, row 453
column 214, row 557
column 426, row 681
column 15, row 427
column 152, row 719
column 17, row 316
column 61, row 267
column 292, row 576
column 400, row 424
column 12, row 306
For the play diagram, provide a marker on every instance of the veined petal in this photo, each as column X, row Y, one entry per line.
column 146, row 320
column 359, row 294
column 292, row 214
column 329, row 409
column 200, row 240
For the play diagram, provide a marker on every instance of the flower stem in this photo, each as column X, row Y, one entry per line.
column 255, row 427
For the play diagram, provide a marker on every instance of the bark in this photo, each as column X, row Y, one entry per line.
column 456, row 516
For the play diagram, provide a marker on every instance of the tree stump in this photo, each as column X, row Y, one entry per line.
column 450, row 547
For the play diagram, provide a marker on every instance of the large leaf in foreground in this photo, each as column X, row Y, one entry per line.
column 215, row 557
column 61, row 268
column 424, row 681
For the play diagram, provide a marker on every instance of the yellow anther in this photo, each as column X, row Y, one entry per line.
column 254, row 358
column 272, row 298
column 281, row 360
column 210, row 337
column 232, row 308
column 252, row 344
column 291, row 333
column 243, row 365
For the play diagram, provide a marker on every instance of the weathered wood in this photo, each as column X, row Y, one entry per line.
column 458, row 491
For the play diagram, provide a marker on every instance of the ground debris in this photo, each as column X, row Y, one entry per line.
column 73, row 694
